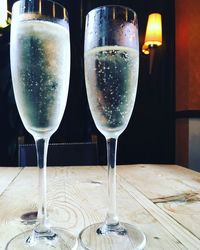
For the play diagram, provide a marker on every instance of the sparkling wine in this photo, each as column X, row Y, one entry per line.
column 40, row 62
column 111, row 74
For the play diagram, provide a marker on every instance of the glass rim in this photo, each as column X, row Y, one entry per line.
column 57, row 3
column 113, row 5
column 66, row 16
column 52, row 1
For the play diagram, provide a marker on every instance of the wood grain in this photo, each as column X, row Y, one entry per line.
column 174, row 189
column 77, row 197
column 182, row 235
column 7, row 174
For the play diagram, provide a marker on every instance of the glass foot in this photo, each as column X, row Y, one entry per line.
column 101, row 237
column 59, row 240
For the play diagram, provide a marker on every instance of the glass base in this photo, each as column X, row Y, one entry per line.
column 102, row 237
column 58, row 240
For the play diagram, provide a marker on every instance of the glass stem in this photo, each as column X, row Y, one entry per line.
column 111, row 217
column 41, row 148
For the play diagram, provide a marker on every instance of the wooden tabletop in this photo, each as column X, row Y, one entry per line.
column 162, row 200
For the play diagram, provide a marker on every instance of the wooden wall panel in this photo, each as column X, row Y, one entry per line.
column 182, row 54
column 182, row 142
column 187, row 55
column 194, row 55
column 187, row 40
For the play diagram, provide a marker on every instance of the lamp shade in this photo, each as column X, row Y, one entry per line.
column 154, row 30
column 3, row 13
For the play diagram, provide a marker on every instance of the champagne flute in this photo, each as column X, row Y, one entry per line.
column 111, row 56
column 40, row 66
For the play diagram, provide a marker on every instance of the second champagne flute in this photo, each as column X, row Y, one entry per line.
column 40, row 66
column 111, row 73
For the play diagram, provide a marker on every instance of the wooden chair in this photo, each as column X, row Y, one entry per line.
column 61, row 154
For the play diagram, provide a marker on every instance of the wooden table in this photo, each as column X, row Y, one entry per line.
column 162, row 200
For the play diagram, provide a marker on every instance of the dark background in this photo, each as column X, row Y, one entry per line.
column 150, row 135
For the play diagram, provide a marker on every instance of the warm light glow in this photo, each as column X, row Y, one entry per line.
column 154, row 30
column 145, row 49
column 3, row 13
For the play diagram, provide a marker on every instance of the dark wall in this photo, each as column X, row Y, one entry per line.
column 149, row 137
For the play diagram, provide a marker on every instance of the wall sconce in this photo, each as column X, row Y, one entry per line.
column 153, row 36
column 4, row 20
column 145, row 49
